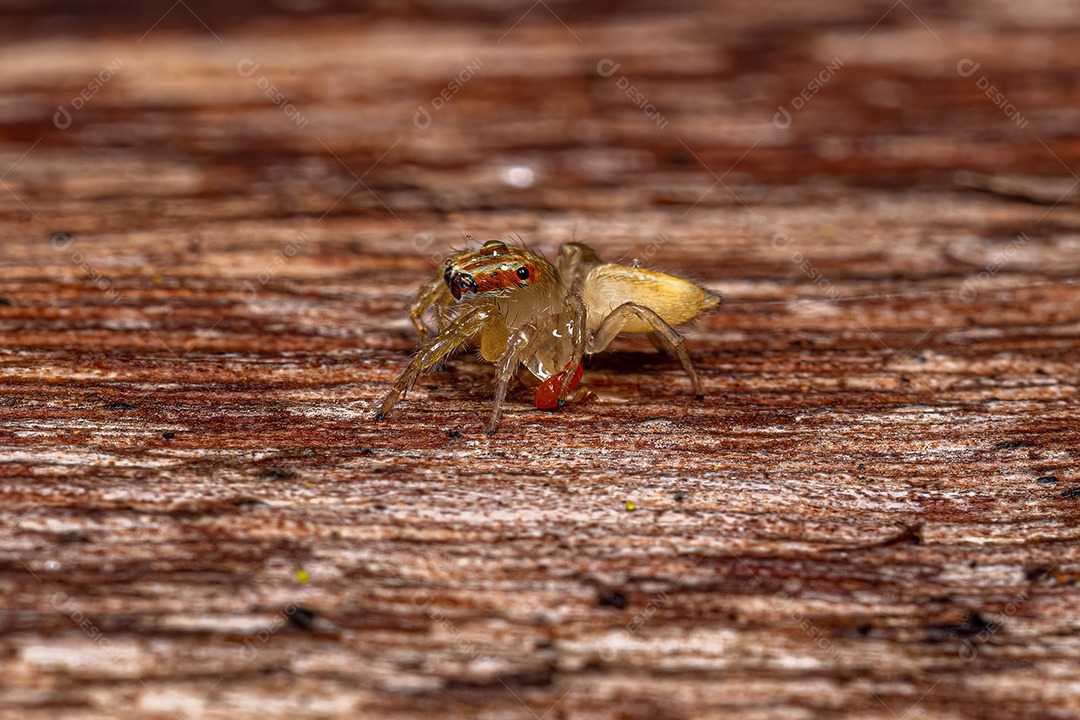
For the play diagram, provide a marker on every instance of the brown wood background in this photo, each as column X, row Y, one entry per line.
column 873, row 514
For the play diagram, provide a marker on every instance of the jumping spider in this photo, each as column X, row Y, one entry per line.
column 526, row 312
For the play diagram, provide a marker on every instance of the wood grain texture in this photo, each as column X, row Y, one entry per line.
column 874, row 512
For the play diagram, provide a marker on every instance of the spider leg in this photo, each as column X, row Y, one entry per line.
column 613, row 323
column 456, row 334
column 577, row 328
column 657, row 342
column 518, row 346
column 432, row 293
column 574, row 263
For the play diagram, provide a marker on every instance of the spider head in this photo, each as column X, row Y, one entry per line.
column 495, row 270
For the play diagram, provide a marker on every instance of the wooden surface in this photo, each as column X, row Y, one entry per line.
column 873, row 514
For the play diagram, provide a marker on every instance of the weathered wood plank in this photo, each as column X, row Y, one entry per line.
column 873, row 513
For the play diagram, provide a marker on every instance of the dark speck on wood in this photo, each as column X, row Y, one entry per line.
column 611, row 598
column 278, row 473
column 301, row 617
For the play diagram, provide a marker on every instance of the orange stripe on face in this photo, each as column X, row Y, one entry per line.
column 492, row 271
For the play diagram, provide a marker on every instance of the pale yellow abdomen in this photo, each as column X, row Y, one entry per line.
column 674, row 299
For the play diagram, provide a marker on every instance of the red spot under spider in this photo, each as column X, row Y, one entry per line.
column 547, row 395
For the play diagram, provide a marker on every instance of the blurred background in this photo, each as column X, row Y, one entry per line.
column 223, row 133
column 320, row 110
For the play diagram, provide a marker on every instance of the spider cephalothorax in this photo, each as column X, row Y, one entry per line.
column 495, row 270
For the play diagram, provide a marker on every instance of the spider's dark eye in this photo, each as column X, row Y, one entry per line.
column 523, row 273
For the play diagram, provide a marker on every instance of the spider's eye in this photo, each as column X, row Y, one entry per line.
column 523, row 273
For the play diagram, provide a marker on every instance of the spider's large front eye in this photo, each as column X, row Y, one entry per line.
column 523, row 273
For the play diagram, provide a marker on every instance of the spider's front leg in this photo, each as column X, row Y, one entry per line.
column 456, row 334
column 519, row 345
column 614, row 322
column 431, row 294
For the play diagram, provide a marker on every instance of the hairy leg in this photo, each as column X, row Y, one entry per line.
column 456, row 334
column 577, row 340
column 433, row 293
column 517, row 348
column 574, row 263
column 614, row 322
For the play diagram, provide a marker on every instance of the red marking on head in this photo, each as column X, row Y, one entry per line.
column 493, row 270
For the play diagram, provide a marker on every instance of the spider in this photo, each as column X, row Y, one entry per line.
column 525, row 312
